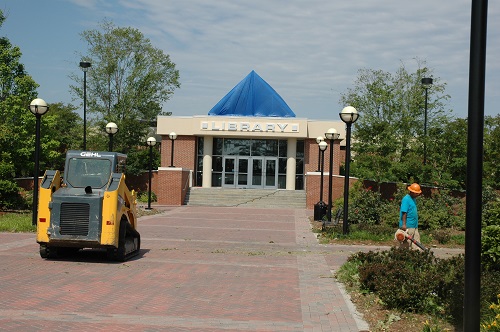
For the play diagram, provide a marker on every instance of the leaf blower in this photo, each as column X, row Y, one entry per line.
column 403, row 235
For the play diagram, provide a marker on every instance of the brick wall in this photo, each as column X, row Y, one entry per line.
column 311, row 154
column 173, row 185
column 184, row 152
column 313, row 188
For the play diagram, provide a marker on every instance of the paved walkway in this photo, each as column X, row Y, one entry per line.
column 200, row 269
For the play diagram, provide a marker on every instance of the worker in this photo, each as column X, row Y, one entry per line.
column 408, row 215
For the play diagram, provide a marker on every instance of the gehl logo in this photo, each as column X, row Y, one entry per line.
column 90, row 154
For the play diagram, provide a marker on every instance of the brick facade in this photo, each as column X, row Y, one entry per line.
column 184, row 152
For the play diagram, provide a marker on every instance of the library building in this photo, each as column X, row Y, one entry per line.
column 250, row 139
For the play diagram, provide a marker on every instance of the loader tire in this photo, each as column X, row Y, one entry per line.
column 48, row 252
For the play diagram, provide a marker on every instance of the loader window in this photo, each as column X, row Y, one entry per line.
column 92, row 172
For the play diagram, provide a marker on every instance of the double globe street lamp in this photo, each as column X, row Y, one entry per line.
column 331, row 135
column 38, row 107
column 349, row 115
column 319, row 139
column 320, row 207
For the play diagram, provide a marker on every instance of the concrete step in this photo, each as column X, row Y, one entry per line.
column 295, row 199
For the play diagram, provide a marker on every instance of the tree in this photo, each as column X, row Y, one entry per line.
column 492, row 151
column 127, row 84
column 17, row 89
column 389, row 136
column 61, row 128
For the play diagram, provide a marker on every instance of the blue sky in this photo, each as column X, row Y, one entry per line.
column 308, row 51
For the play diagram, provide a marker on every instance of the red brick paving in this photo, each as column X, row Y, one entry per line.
column 200, row 269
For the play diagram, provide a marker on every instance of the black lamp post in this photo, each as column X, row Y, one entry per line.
column 151, row 142
column 111, row 129
column 172, row 137
column 331, row 135
column 319, row 139
column 349, row 115
column 426, row 84
column 322, row 148
column 320, row 207
column 38, row 107
column 85, row 66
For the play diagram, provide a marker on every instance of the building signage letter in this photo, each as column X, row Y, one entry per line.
column 249, row 126
column 245, row 126
column 282, row 126
column 257, row 127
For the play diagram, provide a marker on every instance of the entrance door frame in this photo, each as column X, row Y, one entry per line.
column 234, row 173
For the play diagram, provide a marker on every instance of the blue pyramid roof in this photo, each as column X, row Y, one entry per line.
column 252, row 97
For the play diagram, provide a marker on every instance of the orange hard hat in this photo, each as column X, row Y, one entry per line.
column 415, row 188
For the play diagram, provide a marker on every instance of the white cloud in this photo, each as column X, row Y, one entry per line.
column 309, row 51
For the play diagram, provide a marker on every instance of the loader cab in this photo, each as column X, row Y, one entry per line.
column 94, row 169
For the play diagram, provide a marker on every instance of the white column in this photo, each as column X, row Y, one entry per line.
column 291, row 154
column 207, row 161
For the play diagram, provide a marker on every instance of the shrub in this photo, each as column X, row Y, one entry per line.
column 409, row 280
column 490, row 288
column 403, row 279
column 441, row 210
column 493, row 323
column 490, row 247
column 144, row 196
column 442, row 236
column 491, row 209
column 9, row 196
column 450, row 288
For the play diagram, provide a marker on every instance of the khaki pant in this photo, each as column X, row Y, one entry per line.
column 413, row 232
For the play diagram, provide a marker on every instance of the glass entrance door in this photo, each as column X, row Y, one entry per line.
column 236, row 172
column 248, row 172
column 243, row 172
column 271, row 173
column 229, row 172
column 257, row 172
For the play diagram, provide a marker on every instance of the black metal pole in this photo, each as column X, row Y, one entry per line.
column 319, row 158
column 425, row 129
column 329, row 212
column 345, row 223
column 110, row 142
column 36, row 170
column 172, row 155
column 150, row 175
column 322, row 158
column 477, row 66
column 85, row 110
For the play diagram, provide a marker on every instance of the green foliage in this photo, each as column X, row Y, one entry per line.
column 403, row 279
column 388, row 145
column 415, row 281
column 440, row 211
column 490, row 288
column 493, row 324
column 491, row 207
column 138, row 161
column 144, row 196
column 365, row 205
column 348, row 273
column 127, row 84
column 16, row 222
column 490, row 247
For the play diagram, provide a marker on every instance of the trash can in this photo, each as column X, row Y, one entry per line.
column 320, row 210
